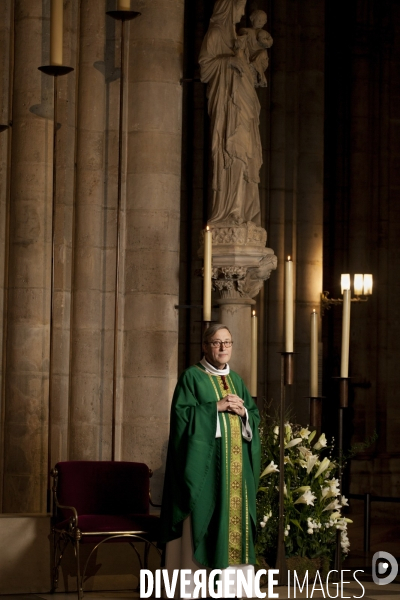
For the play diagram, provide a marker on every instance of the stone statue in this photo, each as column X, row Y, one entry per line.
column 234, row 110
column 257, row 40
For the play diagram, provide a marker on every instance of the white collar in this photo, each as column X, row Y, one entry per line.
column 212, row 370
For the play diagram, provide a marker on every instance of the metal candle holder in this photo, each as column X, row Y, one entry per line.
column 287, row 364
column 119, row 15
column 55, row 71
column 316, row 412
column 343, row 404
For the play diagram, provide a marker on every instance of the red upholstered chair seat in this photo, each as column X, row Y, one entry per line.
column 105, row 499
column 103, row 487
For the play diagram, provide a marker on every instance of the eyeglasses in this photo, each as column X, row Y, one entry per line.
column 218, row 343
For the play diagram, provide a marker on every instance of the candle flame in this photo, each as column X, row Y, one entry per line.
column 207, row 228
column 254, row 313
column 313, row 310
column 289, row 257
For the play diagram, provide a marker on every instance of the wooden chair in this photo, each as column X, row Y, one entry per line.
column 97, row 502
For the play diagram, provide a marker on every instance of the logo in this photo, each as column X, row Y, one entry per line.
column 384, row 563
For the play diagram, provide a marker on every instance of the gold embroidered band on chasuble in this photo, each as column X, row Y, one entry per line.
column 233, row 474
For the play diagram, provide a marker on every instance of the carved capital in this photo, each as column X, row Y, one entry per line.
column 255, row 276
column 243, row 282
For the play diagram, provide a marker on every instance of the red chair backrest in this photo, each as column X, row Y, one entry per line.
column 103, row 487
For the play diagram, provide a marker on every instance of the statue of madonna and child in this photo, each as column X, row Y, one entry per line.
column 233, row 66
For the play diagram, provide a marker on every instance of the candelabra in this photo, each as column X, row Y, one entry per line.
column 286, row 379
column 119, row 15
column 54, row 71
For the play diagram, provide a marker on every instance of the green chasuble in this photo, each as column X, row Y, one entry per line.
column 212, row 479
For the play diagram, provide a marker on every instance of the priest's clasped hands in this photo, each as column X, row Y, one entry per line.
column 233, row 404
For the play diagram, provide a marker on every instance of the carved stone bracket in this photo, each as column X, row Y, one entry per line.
column 243, row 282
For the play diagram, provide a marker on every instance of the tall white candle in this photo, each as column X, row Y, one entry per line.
column 207, row 274
column 56, row 32
column 345, row 282
column 358, row 284
column 344, row 364
column 124, row 5
column 289, row 305
column 314, row 356
column 367, row 284
column 253, row 378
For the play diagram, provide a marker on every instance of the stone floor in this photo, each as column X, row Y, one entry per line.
column 372, row 592
column 385, row 535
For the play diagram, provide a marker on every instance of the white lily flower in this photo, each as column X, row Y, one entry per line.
column 334, row 486
column 332, row 505
column 304, row 433
column 272, row 468
column 348, row 520
column 307, row 498
column 322, row 441
column 311, row 460
column 310, row 531
column 344, row 501
column 322, row 467
column 327, row 492
column 286, row 533
column 276, row 430
column 293, row 442
column 262, row 524
column 304, row 452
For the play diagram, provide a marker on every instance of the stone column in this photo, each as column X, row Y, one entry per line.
column 235, row 313
column 94, row 253
column 151, row 254
column 26, row 407
column 5, row 137
column 241, row 264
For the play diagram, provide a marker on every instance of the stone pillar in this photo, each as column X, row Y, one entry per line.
column 94, row 254
column 235, row 313
column 5, row 137
column 151, row 254
column 241, row 264
column 26, row 406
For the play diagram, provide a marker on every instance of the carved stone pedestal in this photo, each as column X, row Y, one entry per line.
column 241, row 264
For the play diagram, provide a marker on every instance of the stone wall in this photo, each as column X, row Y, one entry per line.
column 58, row 400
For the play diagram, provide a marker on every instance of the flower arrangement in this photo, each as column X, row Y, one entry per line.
column 312, row 501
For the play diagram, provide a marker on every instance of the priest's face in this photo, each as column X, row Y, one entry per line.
column 217, row 354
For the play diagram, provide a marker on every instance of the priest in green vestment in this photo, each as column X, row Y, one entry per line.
column 208, row 514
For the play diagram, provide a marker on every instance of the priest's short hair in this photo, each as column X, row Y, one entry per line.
column 213, row 329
